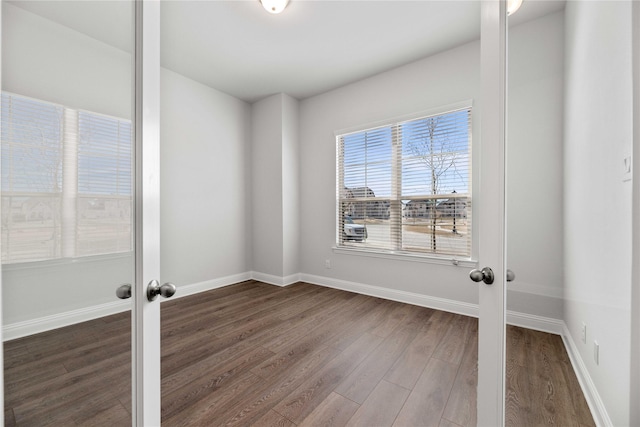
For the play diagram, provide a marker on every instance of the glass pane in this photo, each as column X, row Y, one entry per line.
column 567, row 88
column 67, row 233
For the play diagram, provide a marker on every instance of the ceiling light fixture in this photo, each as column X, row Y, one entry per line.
column 513, row 6
column 274, row 6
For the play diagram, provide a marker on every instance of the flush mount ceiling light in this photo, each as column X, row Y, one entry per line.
column 513, row 6
column 274, row 6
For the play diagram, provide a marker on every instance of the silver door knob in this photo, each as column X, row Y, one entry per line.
column 154, row 289
column 124, row 291
column 511, row 276
column 485, row 275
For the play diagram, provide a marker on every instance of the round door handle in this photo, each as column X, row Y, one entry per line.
column 124, row 291
column 485, row 275
column 154, row 289
column 511, row 276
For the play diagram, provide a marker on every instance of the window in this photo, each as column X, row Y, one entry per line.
column 66, row 182
column 406, row 186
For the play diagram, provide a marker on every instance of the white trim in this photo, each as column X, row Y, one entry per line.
column 537, row 323
column 208, row 285
column 536, row 289
column 598, row 410
column 406, row 256
column 458, row 307
column 275, row 280
column 42, row 324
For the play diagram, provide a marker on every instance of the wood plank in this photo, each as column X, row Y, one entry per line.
column 334, row 411
column 273, row 419
column 334, row 316
column 518, row 398
column 407, row 369
column 426, row 403
column 302, row 401
column 364, row 379
column 260, row 400
column 113, row 416
column 381, row 407
column 204, row 409
column 451, row 347
column 205, row 378
column 462, row 404
column 446, row 423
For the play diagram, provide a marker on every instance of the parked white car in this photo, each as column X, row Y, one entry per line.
column 353, row 231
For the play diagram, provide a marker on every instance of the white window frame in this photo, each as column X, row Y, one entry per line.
column 399, row 254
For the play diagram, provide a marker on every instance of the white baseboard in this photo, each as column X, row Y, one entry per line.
column 537, row 323
column 208, row 285
column 443, row 304
column 55, row 321
column 598, row 410
column 276, row 280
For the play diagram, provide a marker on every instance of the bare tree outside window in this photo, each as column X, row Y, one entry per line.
column 436, row 145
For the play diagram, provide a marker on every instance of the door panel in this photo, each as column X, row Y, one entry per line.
column 491, row 210
column 67, row 210
column 570, row 201
column 146, row 330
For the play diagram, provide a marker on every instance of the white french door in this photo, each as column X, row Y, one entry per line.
column 492, row 219
column 80, row 209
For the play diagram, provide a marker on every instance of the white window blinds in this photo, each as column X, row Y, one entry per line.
column 406, row 186
column 66, row 182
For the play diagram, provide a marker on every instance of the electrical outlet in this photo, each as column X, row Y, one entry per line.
column 327, row 263
column 584, row 332
column 596, row 352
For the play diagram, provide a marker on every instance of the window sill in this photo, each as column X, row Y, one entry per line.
column 406, row 256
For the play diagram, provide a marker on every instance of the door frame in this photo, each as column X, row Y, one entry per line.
column 491, row 208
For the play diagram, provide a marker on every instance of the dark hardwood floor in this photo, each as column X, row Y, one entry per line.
column 304, row 355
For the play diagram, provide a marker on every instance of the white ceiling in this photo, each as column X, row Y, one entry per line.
column 313, row 46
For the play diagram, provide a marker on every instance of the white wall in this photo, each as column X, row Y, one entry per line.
column 266, row 188
column 290, row 186
column 437, row 81
column 597, row 224
column 204, row 137
column 275, row 189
